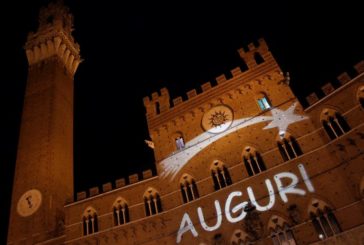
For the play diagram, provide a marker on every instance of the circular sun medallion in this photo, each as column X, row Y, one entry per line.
column 217, row 119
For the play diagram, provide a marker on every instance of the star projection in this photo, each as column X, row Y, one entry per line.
column 279, row 119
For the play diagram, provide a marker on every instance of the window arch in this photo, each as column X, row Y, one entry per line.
column 360, row 96
column 281, row 233
column 323, row 219
column 152, row 202
column 188, row 188
column 239, row 237
column 333, row 123
column 258, row 58
column 90, row 221
column 179, row 140
column 253, row 161
column 263, row 101
column 289, row 147
column 120, row 211
column 220, row 175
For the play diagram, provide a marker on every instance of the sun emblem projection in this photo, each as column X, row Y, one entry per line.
column 217, row 119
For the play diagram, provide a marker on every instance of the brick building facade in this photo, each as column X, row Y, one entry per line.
column 241, row 162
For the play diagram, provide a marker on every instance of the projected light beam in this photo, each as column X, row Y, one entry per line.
column 280, row 119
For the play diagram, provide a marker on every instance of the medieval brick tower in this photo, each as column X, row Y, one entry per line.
column 43, row 180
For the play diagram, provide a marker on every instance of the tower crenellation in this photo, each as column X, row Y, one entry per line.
column 253, row 51
column 159, row 104
column 54, row 38
column 328, row 88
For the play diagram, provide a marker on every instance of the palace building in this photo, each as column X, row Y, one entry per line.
column 241, row 162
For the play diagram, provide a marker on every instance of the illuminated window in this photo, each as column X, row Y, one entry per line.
column 263, row 102
column 289, row 148
column 152, row 202
column 324, row 220
column 188, row 188
column 334, row 124
column 121, row 212
column 90, row 222
column 281, row 233
column 180, row 144
column 253, row 162
column 220, row 175
column 239, row 237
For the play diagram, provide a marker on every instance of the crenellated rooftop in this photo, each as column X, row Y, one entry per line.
column 329, row 88
column 119, row 183
column 258, row 60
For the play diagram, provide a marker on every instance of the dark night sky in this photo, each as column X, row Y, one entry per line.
column 133, row 50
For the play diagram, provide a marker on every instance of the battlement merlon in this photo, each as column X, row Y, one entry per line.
column 328, row 89
column 158, row 104
column 108, row 187
column 253, row 50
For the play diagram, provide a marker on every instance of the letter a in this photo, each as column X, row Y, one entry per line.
column 218, row 215
column 186, row 225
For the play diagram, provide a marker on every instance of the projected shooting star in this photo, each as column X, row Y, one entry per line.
column 280, row 119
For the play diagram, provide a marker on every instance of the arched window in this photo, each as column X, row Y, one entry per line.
column 239, row 237
column 281, row 233
column 360, row 96
column 263, row 101
column 258, row 58
column 323, row 219
column 333, row 123
column 178, row 138
column 89, row 221
column 220, row 175
column 288, row 147
column 121, row 212
column 152, row 202
column 253, row 161
column 188, row 188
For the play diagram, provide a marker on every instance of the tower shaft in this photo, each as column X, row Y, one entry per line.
column 43, row 180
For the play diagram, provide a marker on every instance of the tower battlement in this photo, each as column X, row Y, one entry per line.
column 54, row 38
column 329, row 88
column 258, row 60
